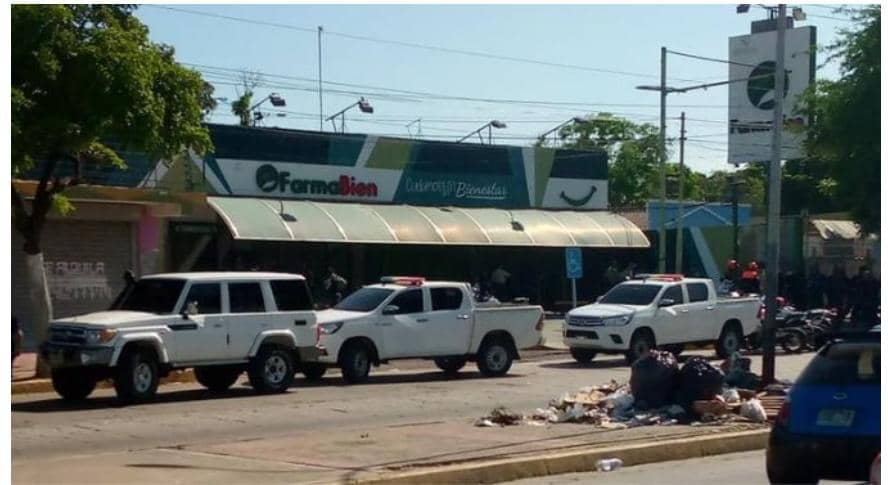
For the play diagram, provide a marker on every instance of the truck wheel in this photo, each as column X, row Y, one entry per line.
column 793, row 342
column 730, row 341
column 313, row 372
column 674, row 349
column 72, row 384
column 494, row 359
column 355, row 363
column 216, row 378
column 450, row 365
column 137, row 377
column 583, row 356
column 271, row 371
column 642, row 342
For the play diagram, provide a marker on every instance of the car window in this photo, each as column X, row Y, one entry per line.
column 631, row 294
column 291, row 295
column 245, row 298
column 844, row 363
column 364, row 300
column 409, row 301
column 698, row 292
column 674, row 293
column 154, row 295
column 446, row 298
column 208, row 297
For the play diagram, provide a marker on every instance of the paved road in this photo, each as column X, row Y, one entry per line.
column 45, row 428
column 734, row 469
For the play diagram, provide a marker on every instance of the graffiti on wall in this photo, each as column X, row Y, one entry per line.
column 77, row 280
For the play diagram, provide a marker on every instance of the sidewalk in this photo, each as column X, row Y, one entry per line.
column 24, row 367
column 426, row 452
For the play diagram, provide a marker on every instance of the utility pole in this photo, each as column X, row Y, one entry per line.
column 661, row 265
column 735, row 219
column 773, row 229
column 679, row 226
column 320, row 82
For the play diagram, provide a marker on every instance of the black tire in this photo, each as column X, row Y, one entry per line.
column 793, row 342
column 642, row 341
column 730, row 341
column 674, row 349
column 271, row 371
column 355, row 363
column 73, row 384
column 494, row 358
column 313, row 372
column 137, row 376
column 450, row 365
column 217, row 378
column 583, row 356
column 789, row 473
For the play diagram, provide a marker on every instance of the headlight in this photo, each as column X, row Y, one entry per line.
column 102, row 336
column 329, row 328
column 617, row 321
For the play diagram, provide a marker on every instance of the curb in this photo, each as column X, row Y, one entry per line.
column 32, row 386
column 495, row 471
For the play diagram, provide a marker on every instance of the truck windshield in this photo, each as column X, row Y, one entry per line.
column 364, row 300
column 631, row 294
column 153, row 295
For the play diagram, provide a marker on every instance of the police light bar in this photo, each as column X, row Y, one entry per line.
column 660, row 277
column 403, row 280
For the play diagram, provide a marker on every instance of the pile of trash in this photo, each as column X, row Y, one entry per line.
column 659, row 392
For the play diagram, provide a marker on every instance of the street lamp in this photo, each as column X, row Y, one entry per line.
column 575, row 120
column 276, row 100
column 489, row 125
column 362, row 105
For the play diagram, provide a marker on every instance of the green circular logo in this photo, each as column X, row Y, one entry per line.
column 760, row 86
column 267, row 178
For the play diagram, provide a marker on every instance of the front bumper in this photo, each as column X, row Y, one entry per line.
column 833, row 457
column 599, row 338
column 61, row 356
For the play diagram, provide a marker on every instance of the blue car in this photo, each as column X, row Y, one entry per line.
column 828, row 428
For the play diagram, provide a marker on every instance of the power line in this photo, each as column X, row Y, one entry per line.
column 416, row 45
column 710, row 59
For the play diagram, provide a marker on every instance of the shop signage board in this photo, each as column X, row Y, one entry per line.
column 290, row 164
column 573, row 261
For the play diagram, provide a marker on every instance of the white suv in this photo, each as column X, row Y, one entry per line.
column 221, row 324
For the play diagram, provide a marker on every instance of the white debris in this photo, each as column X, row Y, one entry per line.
column 753, row 411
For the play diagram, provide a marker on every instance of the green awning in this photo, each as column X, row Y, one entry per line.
column 297, row 220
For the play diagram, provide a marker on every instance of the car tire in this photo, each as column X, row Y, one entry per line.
column 355, row 363
column 583, row 356
column 642, row 341
column 73, row 384
column 271, row 371
column 789, row 473
column 494, row 358
column 216, row 378
column 137, row 376
column 730, row 341
column 313, row 372
column 674, row 349
column 793, row 342
column 450, row 365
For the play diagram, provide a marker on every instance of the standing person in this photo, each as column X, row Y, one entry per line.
column 335, row 285
column 816, row 285
column 749, row 280
column 865, row 289
column 612, row 274
column 499, row 278
column 837, row 291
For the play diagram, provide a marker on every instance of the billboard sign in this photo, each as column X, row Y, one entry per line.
column 751, row 102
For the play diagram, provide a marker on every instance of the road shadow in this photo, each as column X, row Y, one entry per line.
column 405, row 378
column 595, row 364
column 171, row 466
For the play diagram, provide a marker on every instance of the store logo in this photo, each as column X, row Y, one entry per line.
column 582, row 200
column 760, row 86
column 270, row 179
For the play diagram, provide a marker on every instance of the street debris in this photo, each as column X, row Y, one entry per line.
column 608, row 464
column 658, row 393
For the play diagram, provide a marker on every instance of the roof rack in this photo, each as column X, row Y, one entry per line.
column 403, row 280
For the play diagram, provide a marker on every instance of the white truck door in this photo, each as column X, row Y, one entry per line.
column 247, row 317
column 702, row 324
column 404, row 331
column 450, row 321
column 202, row 337
column 672, row 321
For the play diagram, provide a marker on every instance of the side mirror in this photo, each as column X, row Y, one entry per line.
column 390, row 310
column 185, row 315
column 666, row 302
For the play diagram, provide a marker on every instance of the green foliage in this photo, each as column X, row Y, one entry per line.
column 845, row 126
column 241, row 108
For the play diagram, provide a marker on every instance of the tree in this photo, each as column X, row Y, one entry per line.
column 845, row 122
column 86, row 78
column 633, row 154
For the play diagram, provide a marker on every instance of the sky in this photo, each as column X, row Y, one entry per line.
column 608, row 50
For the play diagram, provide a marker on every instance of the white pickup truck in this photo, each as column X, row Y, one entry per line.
column 408, row 317
column 665, row 311
column 220, row 324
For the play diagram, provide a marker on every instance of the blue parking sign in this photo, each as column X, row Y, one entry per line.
column 573, row 259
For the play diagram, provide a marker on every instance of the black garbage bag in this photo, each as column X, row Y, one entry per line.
column 654, row 379
column 698, row 380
